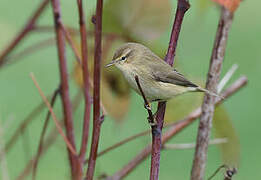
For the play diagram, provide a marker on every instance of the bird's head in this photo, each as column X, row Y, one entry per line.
column 126, row 54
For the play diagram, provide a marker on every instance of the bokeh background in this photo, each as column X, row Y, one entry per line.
column 18, row 96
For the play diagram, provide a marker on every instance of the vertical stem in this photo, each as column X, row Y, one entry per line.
column 85, row 133
column 67, row 108
column 182, row 7
column 97, row 119
column 26, row 29
column 205, row 124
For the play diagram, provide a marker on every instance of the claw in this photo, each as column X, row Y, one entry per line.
column 153, row 121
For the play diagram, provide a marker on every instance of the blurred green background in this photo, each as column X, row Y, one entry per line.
column 18, row 96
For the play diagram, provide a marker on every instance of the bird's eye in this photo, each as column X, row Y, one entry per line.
column 123, row 58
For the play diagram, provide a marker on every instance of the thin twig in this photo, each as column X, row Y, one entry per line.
column 85, row 74
column 174, row 130
column 205, row 124
column 192, row 145
column 40, row 45
column 26, row 29
column 226, row 78
column 71, row 43
column 97, row 119
column 57, row 124
column 128, row 139
column 75, row 31
column 182, row 7
column 46, row 122
column 146, row 102
column 49, row 141
column 66, row 102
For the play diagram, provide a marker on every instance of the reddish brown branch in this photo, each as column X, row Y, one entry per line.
column 208, row 106
column 97, row 119
column 71, row 43
column 67, row 108
column 174, row 130
column 26, row 29
column 85, row 73
column 128, row 139
column 46, row 122
column 182, row 7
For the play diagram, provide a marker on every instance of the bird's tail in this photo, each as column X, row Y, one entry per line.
column 209, row 92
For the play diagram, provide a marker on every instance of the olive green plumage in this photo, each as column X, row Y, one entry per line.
column 159, row 81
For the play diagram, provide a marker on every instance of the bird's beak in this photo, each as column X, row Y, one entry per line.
column 110, row 64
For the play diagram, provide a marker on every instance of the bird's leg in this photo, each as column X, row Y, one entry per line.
column 147, row 106
column 152, row 117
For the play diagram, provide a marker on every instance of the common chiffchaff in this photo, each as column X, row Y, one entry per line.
column 158, row 80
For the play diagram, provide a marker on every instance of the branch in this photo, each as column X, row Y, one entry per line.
column 40, row 45
column 226, row 78
column 85, row 73
column 192, row 145
column 71, row 43
column 182, row 7
column 174, row 130
column 57, row 124
column 97, row 119
column 26, row 29
column 66, row 102
column 46, row 122
column 208, row 106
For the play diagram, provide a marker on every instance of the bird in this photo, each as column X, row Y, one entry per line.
column 158, row 80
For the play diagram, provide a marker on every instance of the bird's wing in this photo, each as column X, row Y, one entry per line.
column 163, row 72
column 173, row 77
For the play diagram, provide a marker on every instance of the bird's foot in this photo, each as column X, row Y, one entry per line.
column 152, row 120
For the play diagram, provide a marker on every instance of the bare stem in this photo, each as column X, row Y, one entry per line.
column 174, row 130
column 208, row 106
column 68, row 118
column 97, row 119
column 26, row 29
column 193, row 145
column 46, row 122
column 86, row 122
column 182, row 7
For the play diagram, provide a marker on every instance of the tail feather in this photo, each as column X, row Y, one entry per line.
column 209, row 92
